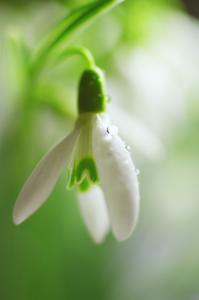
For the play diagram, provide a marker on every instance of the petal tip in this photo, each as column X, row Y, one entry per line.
column 122, row 235
column 94, row 213
column 16, row 220
column 99, row 240
column 19, row 214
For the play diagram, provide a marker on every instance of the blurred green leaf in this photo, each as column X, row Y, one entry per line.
column 65, row 31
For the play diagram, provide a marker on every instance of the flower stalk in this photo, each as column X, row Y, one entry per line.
column 65, row 32
column 78, row 50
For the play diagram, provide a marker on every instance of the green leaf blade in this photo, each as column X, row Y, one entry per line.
column 67, row 30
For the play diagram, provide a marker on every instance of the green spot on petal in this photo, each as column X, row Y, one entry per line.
column 84, row 185
column 78, row 173
column 89, row 165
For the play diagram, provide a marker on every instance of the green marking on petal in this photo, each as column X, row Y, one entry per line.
column 89, row 165
column 83, row 175
column 84, row 185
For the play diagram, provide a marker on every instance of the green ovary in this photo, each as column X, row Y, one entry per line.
column 84, row 174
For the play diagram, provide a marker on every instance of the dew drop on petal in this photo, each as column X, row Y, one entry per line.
column 70, row 166
column 107, row 98
column 112, row 130
column 126, row 161
column 128, row 148
column 137, row 171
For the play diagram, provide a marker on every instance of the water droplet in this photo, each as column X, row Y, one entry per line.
column 70, row 166
column 112, row 130
column 107, row 98
column 137, row 171
column 128, row 148
column 126, row 161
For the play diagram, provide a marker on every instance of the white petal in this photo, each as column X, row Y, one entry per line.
column 44, row 177
column 118, row 180
column 94, row 212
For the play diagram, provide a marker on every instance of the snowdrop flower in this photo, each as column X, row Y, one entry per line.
column 99, row 164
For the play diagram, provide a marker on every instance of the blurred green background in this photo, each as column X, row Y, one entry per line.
column 150, row 53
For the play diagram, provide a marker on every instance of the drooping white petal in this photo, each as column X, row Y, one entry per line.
column 44, row 177
column 94, row 212
column 118, row 180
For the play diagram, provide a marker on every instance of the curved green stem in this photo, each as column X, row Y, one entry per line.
column 80, row 50
column 66, row 30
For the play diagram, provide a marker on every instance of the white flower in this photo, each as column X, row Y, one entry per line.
column 102, row 171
